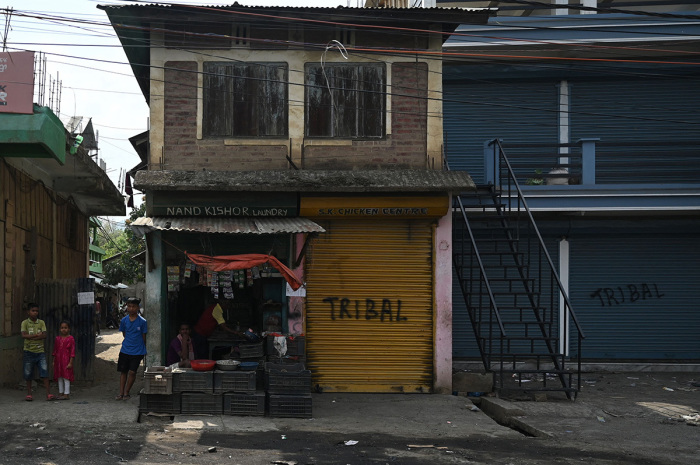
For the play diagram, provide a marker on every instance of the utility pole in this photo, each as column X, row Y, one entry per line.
column 6, row 32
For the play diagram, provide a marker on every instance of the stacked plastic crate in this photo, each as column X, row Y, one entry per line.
column 253, row 352
column 288, row 389
column 295, row 350
column 157, row 395
column 196, row 390
column 238, row 389
column 287, row 382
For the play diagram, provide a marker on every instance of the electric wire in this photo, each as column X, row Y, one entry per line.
column 299, row 102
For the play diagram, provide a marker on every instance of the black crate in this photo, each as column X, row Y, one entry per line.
column 287, row 359
column 296, row 346
column 157, row 380
column 244, row 404
column 289, row 406
column 193, row 381
column 287, row 382
column 251, row 350
column 284, row 366
column 159, row 403
column 234, row 381
column 201, row 403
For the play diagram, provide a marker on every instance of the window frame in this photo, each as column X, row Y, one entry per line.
column 326, row 121
column 245, row 118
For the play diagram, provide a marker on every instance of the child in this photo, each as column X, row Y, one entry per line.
column 133, row 328
column 34, row 332
column 63, row 356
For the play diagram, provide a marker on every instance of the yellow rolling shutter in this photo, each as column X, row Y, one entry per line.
column 369, row 313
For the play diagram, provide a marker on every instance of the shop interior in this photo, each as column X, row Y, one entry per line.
column 253, row 300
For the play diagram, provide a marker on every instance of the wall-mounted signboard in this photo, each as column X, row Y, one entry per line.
column 17, row 82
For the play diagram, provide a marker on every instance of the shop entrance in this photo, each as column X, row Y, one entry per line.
column 252, row 299
column 259, row 307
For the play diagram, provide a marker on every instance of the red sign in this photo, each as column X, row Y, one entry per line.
column 16, row 82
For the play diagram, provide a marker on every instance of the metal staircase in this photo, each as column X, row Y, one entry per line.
column 521, row 315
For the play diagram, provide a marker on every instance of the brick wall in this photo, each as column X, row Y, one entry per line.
column 405, row 147
column 182, row 150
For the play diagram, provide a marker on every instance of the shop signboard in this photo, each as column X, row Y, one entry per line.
column 376, row 206
column 16, row 82
column 222, row 204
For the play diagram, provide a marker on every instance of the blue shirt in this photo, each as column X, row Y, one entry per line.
column 133, row 343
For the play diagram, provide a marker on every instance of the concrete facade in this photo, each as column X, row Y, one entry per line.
column 408, row 154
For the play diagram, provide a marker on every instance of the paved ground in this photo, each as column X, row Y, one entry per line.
column 618, row 418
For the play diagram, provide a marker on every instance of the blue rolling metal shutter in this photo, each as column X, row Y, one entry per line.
column 658, row 118
column 637, row 297
column 516, row 112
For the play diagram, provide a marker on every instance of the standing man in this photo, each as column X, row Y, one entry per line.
column 211, row 319
column 133, row 328
column 98, row 317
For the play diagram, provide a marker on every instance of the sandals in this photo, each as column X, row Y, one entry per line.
column 62, row 397
column 29, row 398
column 126, row 397
column 50, row 397
column 119, row 397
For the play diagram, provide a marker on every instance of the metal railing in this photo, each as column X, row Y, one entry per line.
column 475, row 310
column 517, row 211
column 516, row 317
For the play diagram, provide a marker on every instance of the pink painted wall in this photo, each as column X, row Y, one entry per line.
column 295, row 305
column 443, row 306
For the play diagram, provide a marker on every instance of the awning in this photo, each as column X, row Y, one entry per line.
column 99, row 282
column 225, row 225
column 39, row 135
column 243, row 261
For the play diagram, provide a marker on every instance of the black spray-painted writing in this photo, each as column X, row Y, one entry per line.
column 609, row 296
column 368, row 309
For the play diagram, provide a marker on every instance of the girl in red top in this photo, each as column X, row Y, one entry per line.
column 63, row 356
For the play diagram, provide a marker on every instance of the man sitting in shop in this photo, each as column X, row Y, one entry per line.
column 211, row 319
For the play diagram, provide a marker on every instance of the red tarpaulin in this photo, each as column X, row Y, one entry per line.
column 241, row 262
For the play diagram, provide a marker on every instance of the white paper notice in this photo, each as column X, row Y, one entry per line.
column 301, row 292
column 86, row 298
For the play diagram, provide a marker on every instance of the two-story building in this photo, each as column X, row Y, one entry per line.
column 310, row 137
column 597, row 116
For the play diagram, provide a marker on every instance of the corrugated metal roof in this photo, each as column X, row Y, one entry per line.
column 225, row 225
column 295, row 8
column 364, row 181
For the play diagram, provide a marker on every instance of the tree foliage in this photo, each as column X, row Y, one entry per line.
column 126, row 267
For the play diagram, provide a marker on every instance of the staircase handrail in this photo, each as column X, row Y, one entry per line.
column 482, row 269
column 521, row 197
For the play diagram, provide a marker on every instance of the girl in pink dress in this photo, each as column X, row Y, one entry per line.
column 63, row 356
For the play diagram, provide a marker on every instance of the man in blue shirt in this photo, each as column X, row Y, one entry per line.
column 133, row 328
